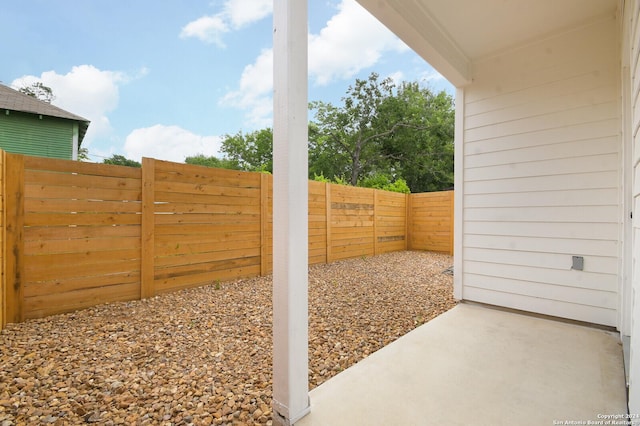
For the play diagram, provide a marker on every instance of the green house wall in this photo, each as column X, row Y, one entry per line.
column 22, row 133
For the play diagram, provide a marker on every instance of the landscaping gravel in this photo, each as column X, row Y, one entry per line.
column 203, row 356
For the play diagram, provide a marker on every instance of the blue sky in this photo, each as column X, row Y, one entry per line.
column 169, row 78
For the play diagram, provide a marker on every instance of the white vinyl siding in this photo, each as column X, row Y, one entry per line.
column 541, row 178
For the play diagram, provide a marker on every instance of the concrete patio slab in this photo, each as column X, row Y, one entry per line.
column 475, row 365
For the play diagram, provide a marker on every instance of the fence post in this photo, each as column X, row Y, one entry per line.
column 327, row 193
column 408, row 217
column 375, row 222
column 147, row 266
column 13, row 237
column 264, row 211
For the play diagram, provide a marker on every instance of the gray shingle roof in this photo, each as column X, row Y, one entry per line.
column 15, row 101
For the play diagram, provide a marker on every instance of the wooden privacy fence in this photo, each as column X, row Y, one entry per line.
column 79, row 234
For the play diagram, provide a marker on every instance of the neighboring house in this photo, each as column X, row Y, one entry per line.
column 547, row 175
column 34, row 127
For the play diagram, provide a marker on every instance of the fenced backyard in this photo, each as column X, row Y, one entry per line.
column 79, row 234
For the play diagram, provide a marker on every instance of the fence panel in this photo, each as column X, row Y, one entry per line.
column 317, row 222
column 431, row 221
column 81, row 241
column 79, row 234
column 351, row 220
column 391, row 223
column 207, row 225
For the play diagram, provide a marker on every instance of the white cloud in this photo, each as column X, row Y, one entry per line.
column 244, row 12
column 207, row 28
column 85, row 91
column 170, row 143
column 255, row 92
column 397, row 77
column 351, row 41
column 235, row 14
column 431, row 76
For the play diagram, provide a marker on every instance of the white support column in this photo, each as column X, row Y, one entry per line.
column 290, row 213
column 458, row 195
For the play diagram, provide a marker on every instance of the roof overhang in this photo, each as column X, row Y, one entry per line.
column 451, row 34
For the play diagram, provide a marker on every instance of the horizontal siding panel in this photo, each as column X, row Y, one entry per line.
column 553, row 167
column 578, row 296
column 565, row 278
column 570, row 230
column 30, row 134
column 568, row 150
column 557, row 308
column 598, row 264
column 571, row 83
column 541, row 105
column 551, row 198
column 595, row 129
column 579, row 247
column 590, row 180
column 576, row 214
column 574, row 116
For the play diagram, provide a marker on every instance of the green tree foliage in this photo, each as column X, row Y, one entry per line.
column 385, row 182
column 420, row 148
column 121, row 160
column 377, row 181
column 403, row 132
column 83, row 154
column 39, row 91
column 348, row 140
column 382, row 136
column 220, row 163
column 252, row 151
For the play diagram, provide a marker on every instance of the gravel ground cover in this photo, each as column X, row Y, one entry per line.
column 203, row 356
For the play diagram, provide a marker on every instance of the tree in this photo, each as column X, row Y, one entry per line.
column 420, row 149
column 121, row 160
column 39, row 91
column 220, row 163
column 83, row 154
column 348, row 138
column 251, row 152
column 400, row 132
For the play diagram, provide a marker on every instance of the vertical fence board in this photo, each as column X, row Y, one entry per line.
column 375, row 222
column 329, row 221
column 407, row 222
column 264, row 199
